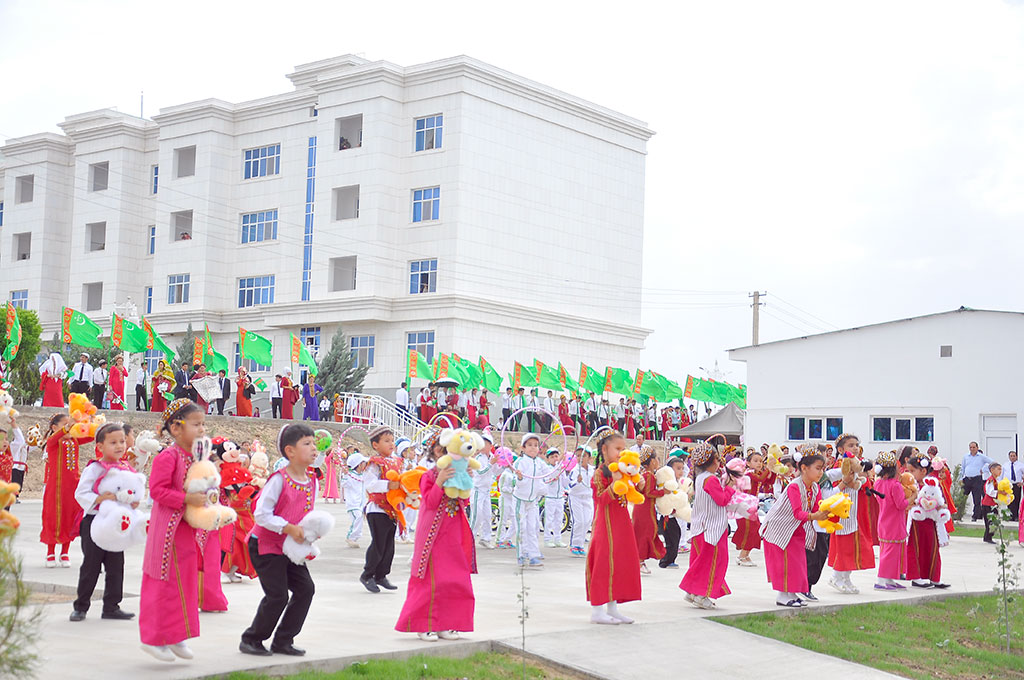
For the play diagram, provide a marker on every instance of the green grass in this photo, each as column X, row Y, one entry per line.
column 968, row 531
column 483, row 666
column 956, row 638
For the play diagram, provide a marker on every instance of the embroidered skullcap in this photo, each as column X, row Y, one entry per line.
column 702, row 453
column 606, row 435
column 174, row 408
column 431, row 439
column 886, row 459
column 646, row 453
column 380, row 430
column 842, row 438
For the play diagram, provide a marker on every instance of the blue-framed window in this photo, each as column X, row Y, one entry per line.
column 155, row 175
column 262, row 162
column 250, row 364
column 1, row 213
column 361, row 347
column 152, row 239
column 426, row 204
column 19, row 299
column 177, row 288
column 310, row 337
column 259, row 226
column 307, row 234
column 255, row 290
column 149, row 299
column 422, row 276
column 153, row 357
column 422, row 342
column 428, row 132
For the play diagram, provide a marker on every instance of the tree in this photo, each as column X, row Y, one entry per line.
column 338, row 372
column 19, row 623
column 185, row 350
column 23, row 373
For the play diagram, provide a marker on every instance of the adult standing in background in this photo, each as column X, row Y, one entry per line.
column 81, row 375
column 289, row 395
column 276, row 397
column 99, row 383
column 972, row 469
column 118, row 380
column 591, row 408
column 1015, row 473
column 243, row 393
column 506, row 405
column 402, row 399
column 141, row 379
column 163, row 383
column 182, row 378
column 51, row 380
column 225, row 390
column 310, row 399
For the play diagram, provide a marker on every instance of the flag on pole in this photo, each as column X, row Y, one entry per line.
column 79, row 329
column 417, row 367
column 546, row 376
column 669, row 388
column 590, row 380
column 127, row 336
column 13, row 330
column 260, row 383
column 256, row 347
column 523, row 376
column 300, row 355
column 567, row 381
column 618, row 381
column 474, row 376
column 197, row 351
column 154, row 341
column 491, row 378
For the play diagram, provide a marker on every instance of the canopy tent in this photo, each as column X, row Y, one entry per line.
column 728, row 421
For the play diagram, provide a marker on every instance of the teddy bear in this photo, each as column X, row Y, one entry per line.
column 1004, row 492
column 34, row 437
column 7, row 410
column 83, row 413
column 774, row 461
column 118, row 525
column 146, row 446
column 407, row 495
column 203, row 477
column 259, row 464
column 931, row 504
column 628, row 466
column 838, row 507
column 909, row 484
column 675, row 501
column 8, row 522
column 315, row 525
column 461, row 445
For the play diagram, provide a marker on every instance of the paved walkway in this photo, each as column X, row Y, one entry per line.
column 346, row 623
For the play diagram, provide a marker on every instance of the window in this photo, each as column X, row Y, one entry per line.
column 349, row 132
column 152, row 239
column 428, row 132
column 903, row 429
column 422, row 342
column 177, row 288
column 250, row 364
column 346, row 202
column 361, row 347
column 310, row 337
column 262, row 162
column 1, row 213
column 148, row 297
column 342, row 274
column 95, row 237
column 814, row 430
column 924, row 429
column 181, row 226
column 795, row 431
column 800, row 428
column 313, row 111
column 19, row 298
column 833, row 428
column 945, row 351
column 259, row 226
column 255, row 290
column 22, row 246
column 881, row 429
column 426, row 204
column 92, row 296
column 99, row 174
column 422, row 276
column 153, row 357
column 24, row 188
column 155, row 174
column 185, row 162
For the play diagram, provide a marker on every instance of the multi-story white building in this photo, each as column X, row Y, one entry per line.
column 448, row 206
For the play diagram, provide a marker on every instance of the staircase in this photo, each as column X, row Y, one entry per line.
column 370, row 411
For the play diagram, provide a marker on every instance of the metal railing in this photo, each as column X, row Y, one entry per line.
column 372, row 411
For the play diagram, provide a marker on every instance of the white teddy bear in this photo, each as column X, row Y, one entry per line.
column 931, row 504
column 315, row 525
column 118, row 525
column 676, row 500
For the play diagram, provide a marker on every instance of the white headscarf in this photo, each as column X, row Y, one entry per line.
column 55, row 366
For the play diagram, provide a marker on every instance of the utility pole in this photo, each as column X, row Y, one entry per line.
column 757, row 315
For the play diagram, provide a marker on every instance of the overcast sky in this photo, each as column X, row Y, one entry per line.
column 859, row 164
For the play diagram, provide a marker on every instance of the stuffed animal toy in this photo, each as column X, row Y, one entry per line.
column 118, row 525
column 83, row 413
column 931, row 504
column 259, row 465
column 570, row 462
column 675, row 501
column 315, row 525
column 203, row 477
column 1004, row 492
column 34, row 437
column 146, row 446
column 628, row 466
column 461, row 445
column 407, row 495
column 505, row 456
column 909, row 484
column 838, row 507
column 774, row 463
column 8, row 522
column 7, row 409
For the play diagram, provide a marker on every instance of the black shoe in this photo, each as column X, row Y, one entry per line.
column 118, row 615
column 369, row 584
column 920, row 585
column 289, row 649
column 810, row 596
column 386, row 584
column 940, row 586
column 256, row 649
column 988, row 540
column 77, row 615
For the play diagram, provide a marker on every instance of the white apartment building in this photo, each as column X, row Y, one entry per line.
column 447, row 206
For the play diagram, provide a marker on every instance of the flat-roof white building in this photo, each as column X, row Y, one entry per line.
column 945, row 379
column 448, row 206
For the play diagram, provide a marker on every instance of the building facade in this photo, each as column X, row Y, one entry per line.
column 447, row 206
column 945, row 379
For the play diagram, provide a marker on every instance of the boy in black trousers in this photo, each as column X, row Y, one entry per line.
column 380, row 516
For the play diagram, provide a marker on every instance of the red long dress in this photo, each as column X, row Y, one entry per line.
column 482, row 414
column 160, row 384
column 243, row 405
column 53, row 390
column 289, row 395
column 645, row 521
column 60, row 509
column 630, row 426
column 117, row 376
column 563, row 414
column 613, row 571
column 748, row 531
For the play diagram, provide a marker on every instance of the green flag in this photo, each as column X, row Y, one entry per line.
column 127, row 336
column 78, row 329
column 13, row 329
column 473, row 373
column 591, row 380
column 260, row 383
column 417, row 367
column 669, row 388
column 154, row 341
column 300, row 355
column 491, row 378
column 566, row 380
column 256, row 347
column 645, row 385
column 547, row 377
column 523, row 376
column 618, row 380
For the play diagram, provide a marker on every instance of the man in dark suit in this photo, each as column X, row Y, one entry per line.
column 182, row 386
column 225, row 391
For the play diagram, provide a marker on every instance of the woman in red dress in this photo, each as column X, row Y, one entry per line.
column 483, row 415
column 645, row 519
column 60, row 509
column 117, row 377
column 613, row 571
column 748, row 530
column 162, row 383
column 563, row 414
column 429, row 407
column 474, row 398
column 243, row 405
column 289, row 395
column 51, row 380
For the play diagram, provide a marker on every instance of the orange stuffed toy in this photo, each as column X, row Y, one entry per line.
column 407, row 495
column 83, row 412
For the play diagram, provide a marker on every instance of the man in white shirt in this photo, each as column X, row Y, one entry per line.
column 519, row 402
column 506, row 405
column 276, row 396
column 463, row 403
column 99, row 383
column 402, row 399
column 81, row 375
column 141, row 378
column 549, row 406
column 1015, row 473
column 591, row 408
column 619, row 414
column 574, row 413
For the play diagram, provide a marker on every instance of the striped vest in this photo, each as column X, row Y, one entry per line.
column 708, row 517
column 780, row 523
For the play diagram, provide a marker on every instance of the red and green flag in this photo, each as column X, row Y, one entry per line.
column 13, row 330
column 417, row 367
column 154, row 341
column 127, row 335
column 591, row 380
column 474, row 376
column 566, row 380
column 256, row 347
column 260, row 383
column 300, row 355
column 669, row 388
column 618, row 381
column 547, row 377
column 491, row 378
column 79, row 329
column 523, row 376
column 645, row 385
column 203, row 353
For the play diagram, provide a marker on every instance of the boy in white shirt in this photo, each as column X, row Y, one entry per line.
column 530, row 486
column 581, row 502
column 352, row 489
column 554, row 501
column 480, row 506
column 507, row 522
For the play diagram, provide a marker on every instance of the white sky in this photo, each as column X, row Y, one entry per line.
column 863, row 162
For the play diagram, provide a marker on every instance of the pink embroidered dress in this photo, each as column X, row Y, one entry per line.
column 892, row 529
column 440, row 593
column 169, row 607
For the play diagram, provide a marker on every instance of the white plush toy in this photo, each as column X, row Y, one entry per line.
column 315, row 525
column 146, row 446
column 7, row 405
column 118, row 525
column 931, row 504
column 203, row 477
column 676, row 500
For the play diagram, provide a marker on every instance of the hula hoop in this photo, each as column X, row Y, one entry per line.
column 565, row 439
column 345, row 432
column 430, row 425
column 586, row 444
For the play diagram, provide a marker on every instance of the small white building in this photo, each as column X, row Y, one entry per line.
column 945, row 379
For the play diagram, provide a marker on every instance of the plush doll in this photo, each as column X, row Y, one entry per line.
column 146, row 446
column 8, row 522
column 259, row 465
column 505, row 456
column 838, row 507
column 7, row 409
column 628, row 466
column 315, row 525
column 675, row 500
column 461, row 445
column 203, row 477
column 909, row 484
column 407, row 495
column 34, row 437
column 1004, row 492
column 118, row 525
column 774, row 462
column 83, row 412
column 931, row 504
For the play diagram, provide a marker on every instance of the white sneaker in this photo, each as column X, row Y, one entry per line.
column 181, row 650
column 449, row 635
column 233, row 577
column 688, row 597
column 851, row 589
column 51, row 562
column 603, row 619
column 703, row 603
column 160, row 653
column 350, row 543
column 835, row 584
column 428, row 637
column 620, row 617
column 560, row 544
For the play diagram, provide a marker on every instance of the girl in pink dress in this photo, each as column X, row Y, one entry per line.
column 704, row 581
column 892, row 524
column 439, row 601
column 332, row 469
column 169, row 601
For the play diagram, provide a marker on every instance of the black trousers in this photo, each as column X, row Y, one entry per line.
column 975, row 486
column 592, row 421
column 816, row 559
column 220, row 406
column 275, row 407
column 505, row 413
column 672, row 533
column 140, row 398
column 17, row 477
column 98, row 392
column 79, row 387
column 278, row 575
column 95, row 557
column 382, row 546
column 986, row 511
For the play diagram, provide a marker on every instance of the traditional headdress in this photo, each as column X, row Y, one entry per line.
column 380, row 430
column 702, row 453
column 431, row 439
column 606, row 435
column 843, row 437
column 173, row 409
column 646, row 453
column 886, row 459
column 677, row 453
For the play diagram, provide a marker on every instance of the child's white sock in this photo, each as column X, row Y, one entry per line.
column 613, row 611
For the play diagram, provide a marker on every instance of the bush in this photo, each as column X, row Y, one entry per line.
column 959, row 497
column 19, row 622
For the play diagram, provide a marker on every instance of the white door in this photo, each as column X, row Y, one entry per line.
column 998, row 435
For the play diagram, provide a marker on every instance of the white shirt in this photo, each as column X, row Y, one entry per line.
column 140, row 376
column 352, row 488
column 579, row 482
column 84, row 494
column 506, row 401
column 549, row 404
column 619, row 410
column 532, row 486
column 99, row 376
column 82, row 372
column 574, row 408
column 267, row 503
column 484, row 477
column 275, row 390
column 602, row 411
column 464, row 400
column 325, row 404
column 590, row 404
column 402, row 397
column 19, row 449
column 1016, row 477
